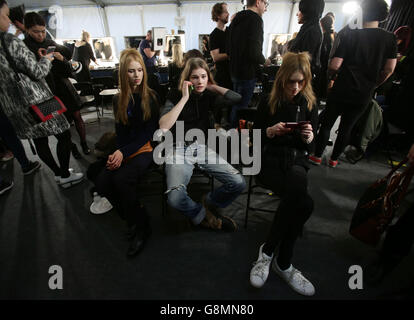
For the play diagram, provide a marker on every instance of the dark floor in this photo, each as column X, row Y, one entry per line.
column 43, row 225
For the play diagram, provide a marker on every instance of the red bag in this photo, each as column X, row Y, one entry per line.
column 377, row 206
column 47, row 110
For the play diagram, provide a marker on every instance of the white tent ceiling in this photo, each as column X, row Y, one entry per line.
column 105, row 3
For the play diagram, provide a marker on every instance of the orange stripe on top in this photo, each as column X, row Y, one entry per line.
column 145, row 148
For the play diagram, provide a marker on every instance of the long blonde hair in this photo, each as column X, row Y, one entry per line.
column 85, row 36
column 192, row 64
column 126, row 88
column 292, row 62
column 177, row 55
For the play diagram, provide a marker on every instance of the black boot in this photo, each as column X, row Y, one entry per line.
column 75, row 152
column 138, row 235
column 85, row 147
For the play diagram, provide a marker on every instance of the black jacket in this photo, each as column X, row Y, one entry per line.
column 201, row 110
column 245, row 44
column 288, row 149
column 309, row 39
column 57, row 79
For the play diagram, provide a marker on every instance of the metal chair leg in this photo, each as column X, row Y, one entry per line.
column 249, row 190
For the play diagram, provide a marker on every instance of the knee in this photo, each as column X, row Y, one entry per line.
column 236, row 183
column 176, row 197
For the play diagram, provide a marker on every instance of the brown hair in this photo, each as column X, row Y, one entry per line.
column 292, row 62
column 125, row 87
column 217, row 10
column 192, row 64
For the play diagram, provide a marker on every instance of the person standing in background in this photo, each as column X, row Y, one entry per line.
column 245, row 45
column 83, row 53
column 147, row 54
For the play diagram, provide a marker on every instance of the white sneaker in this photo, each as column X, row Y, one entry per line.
column 260, row 270
column 295, row 279
column 100, row 204
column 73, row 179
column 57, row 178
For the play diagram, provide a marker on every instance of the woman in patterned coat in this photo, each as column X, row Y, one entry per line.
column 15, row 101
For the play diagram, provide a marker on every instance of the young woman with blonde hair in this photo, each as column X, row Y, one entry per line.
column 176, row 66
column 83, row 53
column 136, row 112
column 287, row 119
column 191, row 107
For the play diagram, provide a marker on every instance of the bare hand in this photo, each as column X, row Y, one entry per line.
column 58, row 56
column 410, row 154
column 185, row 90
column 279, row 129
column 307, row 133
column 114, row 160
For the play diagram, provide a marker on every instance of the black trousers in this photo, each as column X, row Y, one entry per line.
column 350, row 113
column 63, row 149
column 120, row 187
column 295, row 208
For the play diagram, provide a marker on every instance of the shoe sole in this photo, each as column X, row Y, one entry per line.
column 70, row 184
column 33, row 170
column 8, row 188
column 315, row 163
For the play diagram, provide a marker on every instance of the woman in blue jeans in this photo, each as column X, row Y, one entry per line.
column 185, row 111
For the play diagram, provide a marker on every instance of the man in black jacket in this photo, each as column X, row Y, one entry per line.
column 245, row 45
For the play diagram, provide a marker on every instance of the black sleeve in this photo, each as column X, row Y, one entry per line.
column 213, row 41
column 262, row 115
column 255, row 38
column 91, row 55
column 340, row 51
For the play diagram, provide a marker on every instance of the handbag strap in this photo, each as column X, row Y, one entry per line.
column 397, row 167
column 10, row 59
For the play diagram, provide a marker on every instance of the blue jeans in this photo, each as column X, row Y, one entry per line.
column 179, row 169
column 245, row 88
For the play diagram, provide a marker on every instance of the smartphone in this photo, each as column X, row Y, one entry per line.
column 292, row 125
column 302, row 123
column 50, row 49
column 190, row 89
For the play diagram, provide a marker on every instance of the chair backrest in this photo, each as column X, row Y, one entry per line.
column 104, row 82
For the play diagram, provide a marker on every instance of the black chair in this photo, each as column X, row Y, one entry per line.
column 88, row 94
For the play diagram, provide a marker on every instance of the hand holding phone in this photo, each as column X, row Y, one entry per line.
column 50, row 49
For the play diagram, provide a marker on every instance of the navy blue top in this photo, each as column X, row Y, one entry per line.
column 149, row 62
column 131, row 137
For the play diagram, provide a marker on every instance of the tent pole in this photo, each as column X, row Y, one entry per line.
column 291, row 16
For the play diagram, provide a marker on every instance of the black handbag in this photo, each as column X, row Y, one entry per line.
column 43, row 111
column 379, row 203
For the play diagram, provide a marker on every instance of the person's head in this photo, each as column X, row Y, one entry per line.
column 193, row 53
column 293, row 77
column 149, row 35
column 35, row 26
column 374, row 10
column 331, row 14
column 4, row 16
column 220, row 13
column 17, row 17
column 132, row 78
column 85, row 36
column 177, row 55
column 197, row 72
column 259, row 6
column 309, row 10
column 327, row 23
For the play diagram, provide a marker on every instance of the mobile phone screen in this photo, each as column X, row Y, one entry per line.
column 50, row 49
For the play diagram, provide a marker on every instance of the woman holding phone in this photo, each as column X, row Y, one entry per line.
column 57, row 79
column 287, row 118
column 191, row 108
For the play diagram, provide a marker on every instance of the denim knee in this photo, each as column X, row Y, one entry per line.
column 176, row 198
column 236, row 184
